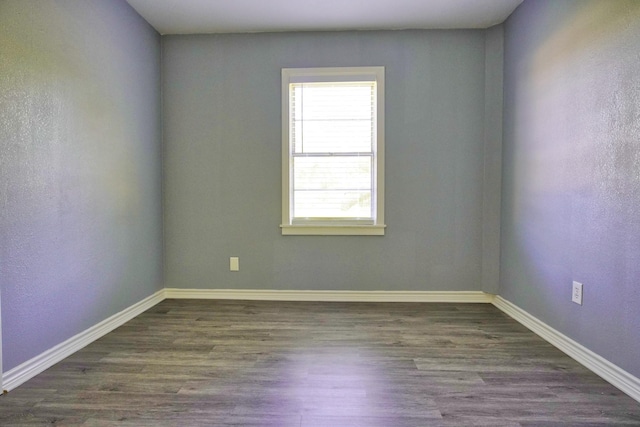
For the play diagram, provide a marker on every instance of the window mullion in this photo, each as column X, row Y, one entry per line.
column 356, row 154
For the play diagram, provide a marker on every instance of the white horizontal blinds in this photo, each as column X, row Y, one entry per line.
column 333, row 140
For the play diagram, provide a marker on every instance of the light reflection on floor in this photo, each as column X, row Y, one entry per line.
column 339, row 386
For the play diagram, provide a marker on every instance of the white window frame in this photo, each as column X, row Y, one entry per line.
column 333, row 227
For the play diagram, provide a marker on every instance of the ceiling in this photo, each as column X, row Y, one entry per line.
column 241, row 16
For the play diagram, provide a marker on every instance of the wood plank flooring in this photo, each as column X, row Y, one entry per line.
column 243, row 363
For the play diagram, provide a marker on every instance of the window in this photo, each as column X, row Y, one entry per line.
column 333, row 151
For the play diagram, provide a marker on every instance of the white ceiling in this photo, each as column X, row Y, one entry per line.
column 240, row 16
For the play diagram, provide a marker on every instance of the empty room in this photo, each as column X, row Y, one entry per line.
column 339, row 213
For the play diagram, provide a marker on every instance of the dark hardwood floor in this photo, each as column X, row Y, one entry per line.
column 243, row 363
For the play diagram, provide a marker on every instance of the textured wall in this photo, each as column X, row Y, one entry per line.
column 222, row 133
column 80, row 168
column 571, row 193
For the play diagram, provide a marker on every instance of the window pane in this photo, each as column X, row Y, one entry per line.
column 332, row 204
column 337, row 187
column 334, row 173
column 332, row 117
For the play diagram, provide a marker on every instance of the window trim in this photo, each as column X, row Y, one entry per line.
column 347, row 227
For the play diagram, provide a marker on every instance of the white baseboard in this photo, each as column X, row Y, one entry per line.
column 615, row 375
column 327, row 296
column 29, row 369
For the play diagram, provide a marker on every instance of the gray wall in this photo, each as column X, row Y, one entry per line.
column 80, row 168
column 492, row 172
column 571, row 193
column 222, row 142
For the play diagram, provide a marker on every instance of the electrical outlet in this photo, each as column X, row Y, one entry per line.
column 234, row 263
column 576, row 294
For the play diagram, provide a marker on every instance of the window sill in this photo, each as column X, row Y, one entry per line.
column 333, row 230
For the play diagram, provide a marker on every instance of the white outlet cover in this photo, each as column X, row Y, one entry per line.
column 576, row 293
column 234, row 263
